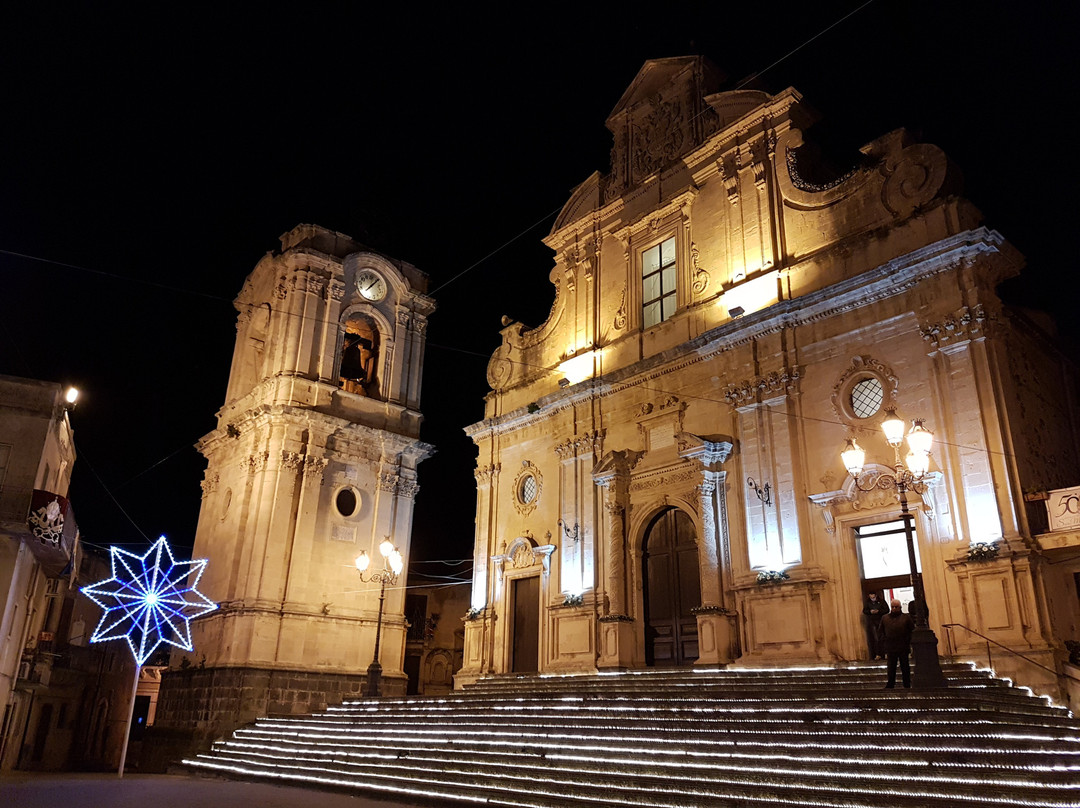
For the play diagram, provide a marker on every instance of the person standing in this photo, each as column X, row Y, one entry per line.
column 896, row 628
column 873, row 611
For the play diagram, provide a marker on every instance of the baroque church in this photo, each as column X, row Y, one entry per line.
column 659, row 474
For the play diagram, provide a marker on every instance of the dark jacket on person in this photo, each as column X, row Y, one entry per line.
column 875, row 610
column 896, row 628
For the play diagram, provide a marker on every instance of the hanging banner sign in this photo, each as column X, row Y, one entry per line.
column 53, row 532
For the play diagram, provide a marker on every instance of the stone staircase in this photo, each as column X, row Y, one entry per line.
column 682, row 738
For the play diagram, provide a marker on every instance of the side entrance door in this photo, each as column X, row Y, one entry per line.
column 525, row 602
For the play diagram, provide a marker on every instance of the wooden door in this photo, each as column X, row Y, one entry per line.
column 525, row 643
column 672, row 586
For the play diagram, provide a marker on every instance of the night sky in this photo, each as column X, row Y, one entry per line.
column 149, row 156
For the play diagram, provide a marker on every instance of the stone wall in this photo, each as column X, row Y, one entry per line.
column 199, row 705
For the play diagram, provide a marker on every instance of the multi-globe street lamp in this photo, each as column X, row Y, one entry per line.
column 392, row 566
column 906, row 475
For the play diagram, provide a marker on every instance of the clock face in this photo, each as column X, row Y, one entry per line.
column 371, row 285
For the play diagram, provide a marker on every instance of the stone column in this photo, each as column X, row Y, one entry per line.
column 715, row 622
column 612, row 474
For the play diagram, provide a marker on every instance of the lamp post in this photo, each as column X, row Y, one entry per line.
column 392, row 566
column 906, row 475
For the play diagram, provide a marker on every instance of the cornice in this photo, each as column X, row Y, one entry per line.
column 892, row 279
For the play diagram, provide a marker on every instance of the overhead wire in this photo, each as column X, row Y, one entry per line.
column 443, row 285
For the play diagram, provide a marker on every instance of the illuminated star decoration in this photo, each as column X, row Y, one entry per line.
column 148, row 600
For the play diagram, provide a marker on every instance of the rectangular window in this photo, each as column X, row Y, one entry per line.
column 658, row 283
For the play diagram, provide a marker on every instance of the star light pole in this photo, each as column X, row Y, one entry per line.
column 149, row 600
column 904, row 478
column 392, row 566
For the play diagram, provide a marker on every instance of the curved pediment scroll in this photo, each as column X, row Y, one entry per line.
column 523, row 553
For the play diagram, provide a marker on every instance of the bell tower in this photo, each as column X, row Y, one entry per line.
column 313, row 460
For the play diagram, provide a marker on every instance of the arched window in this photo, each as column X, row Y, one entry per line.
column 359, row 357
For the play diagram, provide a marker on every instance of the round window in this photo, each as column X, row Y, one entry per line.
column 346, row 502
column 527, row 489
column 866, row 397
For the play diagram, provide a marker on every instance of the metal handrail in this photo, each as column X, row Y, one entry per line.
column 989, row 662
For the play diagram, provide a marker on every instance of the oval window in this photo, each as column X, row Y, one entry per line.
column 346, row 502
column 527, row 491
column 866, row 397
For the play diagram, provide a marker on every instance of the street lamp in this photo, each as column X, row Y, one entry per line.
column 906, row 475
column 392, row 566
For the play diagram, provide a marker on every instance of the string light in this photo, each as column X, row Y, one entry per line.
column 148, row 601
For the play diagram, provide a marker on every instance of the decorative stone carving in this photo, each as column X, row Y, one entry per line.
column 485, row 474
column 828, row 502
column 728, row 168
column 967, row 324
column 522, row 557
column 591, row 443
column 620, row 313
column 255, row 462
column 314, row 467
column 758, row 162
column 388, row 482
column 668, row 480
column 209, row 484
column 912, row 178
column 335, row 289
column 500, row 369
column 754, row 390
column 293, row 461
column 407, row 488
column 658, row 138
column 700, row 276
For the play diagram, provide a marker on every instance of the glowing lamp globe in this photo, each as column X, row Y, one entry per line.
column 386, row 547
column 920, row 438
column 918, row 463
column 893, row 427
column 854, row 458
column 362, row 561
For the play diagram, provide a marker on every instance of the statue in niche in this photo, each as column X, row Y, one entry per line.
column 359, row 356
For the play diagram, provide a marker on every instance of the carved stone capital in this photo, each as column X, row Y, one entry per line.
column 755, row 390
column 314, row 466
column 255, row 462
column 485, row 474
column 209, row 484
column 293, row 461
column 964, row 325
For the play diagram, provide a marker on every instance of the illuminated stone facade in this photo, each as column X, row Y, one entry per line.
column 722, row 309
column 313, row 460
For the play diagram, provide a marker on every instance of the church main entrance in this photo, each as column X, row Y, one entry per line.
column 883, row 561
column 672, row 588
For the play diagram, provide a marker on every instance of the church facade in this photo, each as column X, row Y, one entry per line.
column 313, row 460
column 659, row 473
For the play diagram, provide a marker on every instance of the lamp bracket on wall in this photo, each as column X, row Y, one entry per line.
column 762, row 491
column 574, row 535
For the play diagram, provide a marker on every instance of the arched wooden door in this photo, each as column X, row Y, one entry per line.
column 672, row 585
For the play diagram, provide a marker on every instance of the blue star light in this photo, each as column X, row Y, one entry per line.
column 148, row 600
